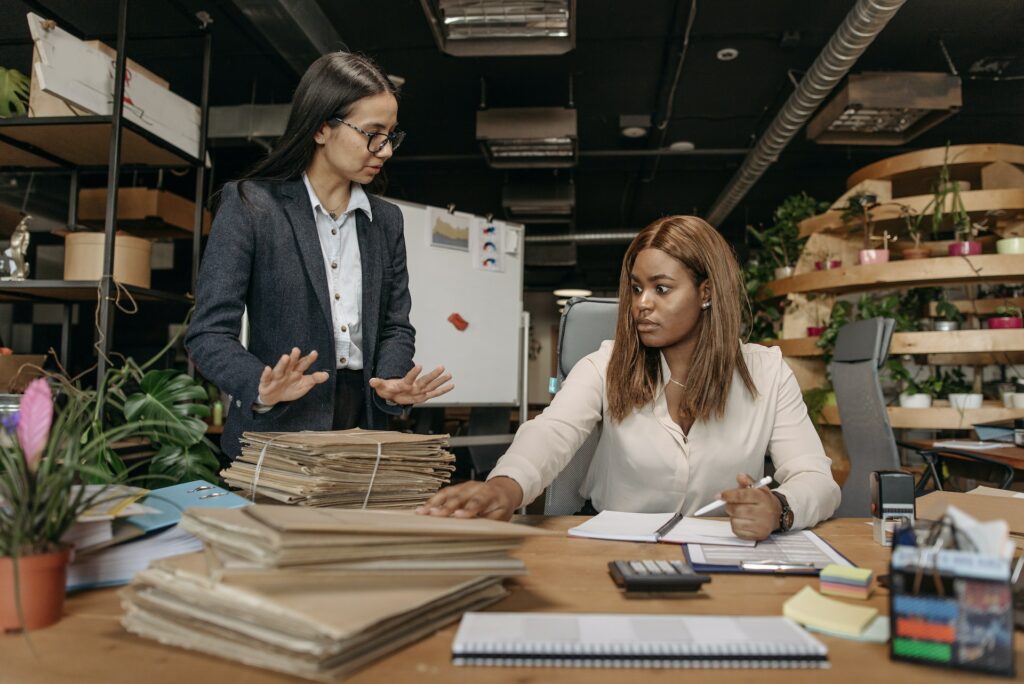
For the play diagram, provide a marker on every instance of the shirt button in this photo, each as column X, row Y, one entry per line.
column 337, row 295
column 344, row 360
column 344, row 328
column 334, row 264
column 334, row 231
column 238, row 402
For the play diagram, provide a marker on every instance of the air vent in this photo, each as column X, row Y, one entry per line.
column 534, row 137
column 550, row 202
column 497, row 28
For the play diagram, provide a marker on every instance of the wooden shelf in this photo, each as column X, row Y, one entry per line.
column 979, row 307
column 143, row 212
column 961, row 158
column 214, row 429
column 887, row 215
column 76, row 291
column 941, row 416
column 83, row 141
column 983, row 268
column 929, row 342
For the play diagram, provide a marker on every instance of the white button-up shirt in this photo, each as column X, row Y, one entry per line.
column 646, row 464
column 340, row 246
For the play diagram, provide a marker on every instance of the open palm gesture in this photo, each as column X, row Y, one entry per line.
column 288, row 381
column 413, row 389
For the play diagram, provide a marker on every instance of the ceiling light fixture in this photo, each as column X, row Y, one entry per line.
column 479, row 28
column 572, row 292
column 886, row 108
column 727, row 54
column 682, row 146
column 634, row 125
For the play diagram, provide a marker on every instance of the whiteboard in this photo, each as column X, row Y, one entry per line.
column 478, row 276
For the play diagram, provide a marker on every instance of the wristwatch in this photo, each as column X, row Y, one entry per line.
column 786, row 516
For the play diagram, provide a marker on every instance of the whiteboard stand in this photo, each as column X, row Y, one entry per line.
column 524, row 370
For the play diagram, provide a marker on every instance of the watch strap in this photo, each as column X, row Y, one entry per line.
column 785, row 515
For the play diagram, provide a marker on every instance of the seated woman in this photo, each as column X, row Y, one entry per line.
column 688, row 411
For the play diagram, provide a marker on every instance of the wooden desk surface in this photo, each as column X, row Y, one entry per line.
column 1010, row 455
column 569, row 575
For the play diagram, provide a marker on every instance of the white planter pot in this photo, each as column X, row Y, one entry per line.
column 915, row 400
column 783, row 272
column 946, row 326
column 962, row 402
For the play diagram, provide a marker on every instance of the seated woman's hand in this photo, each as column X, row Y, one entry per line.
column 753, row 511
column 496, row 499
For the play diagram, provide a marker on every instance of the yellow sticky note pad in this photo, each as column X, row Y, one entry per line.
column 842, row 572
column 810, row 608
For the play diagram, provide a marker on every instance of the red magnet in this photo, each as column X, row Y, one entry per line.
column 458, row 321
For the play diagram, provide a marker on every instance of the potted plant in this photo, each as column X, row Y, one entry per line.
column 959, row 391
column 781, row 242
column 965, row 231
column 827, row 260
column 44, row 452
column 858, row 208
column 913, row 220
column 1010, row 245
column 1007, row 316
column 947, row 316
column 914, row 393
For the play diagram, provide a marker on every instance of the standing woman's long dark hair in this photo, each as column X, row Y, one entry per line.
column 329, row 88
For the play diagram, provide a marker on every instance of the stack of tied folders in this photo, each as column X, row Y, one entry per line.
column 316, row 592
column 343, row 468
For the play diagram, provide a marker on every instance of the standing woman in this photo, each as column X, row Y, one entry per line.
column 319, row 264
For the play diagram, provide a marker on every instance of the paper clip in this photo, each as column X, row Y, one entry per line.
column 201, row 488
column 778, row 566
column 213, row 495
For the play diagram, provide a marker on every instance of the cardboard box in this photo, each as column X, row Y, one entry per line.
column 981, row 505
column 42, row 103
column 17, row 370
column 83, row 258
column 143, row 205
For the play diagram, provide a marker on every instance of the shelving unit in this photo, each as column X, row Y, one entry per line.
column 983, row 268
column 84, row 143
column 996, row 175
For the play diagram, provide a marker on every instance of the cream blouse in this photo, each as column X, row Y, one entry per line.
column 646, row 464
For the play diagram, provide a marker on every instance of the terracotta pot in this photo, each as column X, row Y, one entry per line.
column 41, row 579
column 916, row 253
column 873, row 256
column 815, row 330
column 1005, row 322
column 826, row 265
column 966, row 248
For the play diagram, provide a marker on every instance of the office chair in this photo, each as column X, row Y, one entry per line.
column 487, row 420
column 586, row 323
column 861, row 349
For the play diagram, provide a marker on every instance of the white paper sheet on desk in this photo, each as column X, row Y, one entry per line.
column 701, row 531
column 793, row 547
column 641, row 527
column 966, row 444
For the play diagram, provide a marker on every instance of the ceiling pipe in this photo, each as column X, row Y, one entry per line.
column 860, row 27
column 666, row 152
column 607, row 236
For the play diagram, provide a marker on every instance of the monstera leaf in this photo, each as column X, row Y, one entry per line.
column 167, row 399
column 13, row 93
column 183, row 464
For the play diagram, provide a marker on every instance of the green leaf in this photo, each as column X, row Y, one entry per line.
column 14, row 88
column 167, row 399
column 185, row 463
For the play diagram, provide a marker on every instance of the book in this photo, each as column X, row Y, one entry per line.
column 631, row 640
column 658, row 527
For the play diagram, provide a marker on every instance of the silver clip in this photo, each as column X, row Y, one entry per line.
column 778, row 566
column 213, row 495
column 201, row 488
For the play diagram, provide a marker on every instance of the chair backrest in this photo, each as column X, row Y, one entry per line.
column 586, row 323
column 488, row 420
column 861, row 349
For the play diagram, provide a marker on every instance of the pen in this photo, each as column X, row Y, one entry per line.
column 704, row 510
column 664, row 529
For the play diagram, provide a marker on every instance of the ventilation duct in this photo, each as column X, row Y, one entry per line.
column 502, row 28
column 550, row 202
column 886, row 108
column 548, row 255
column 528, row 137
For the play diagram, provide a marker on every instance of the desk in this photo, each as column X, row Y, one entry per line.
column 1010, row 458
column 89, row 646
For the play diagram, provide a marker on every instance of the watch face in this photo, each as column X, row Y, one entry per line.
column 787, row 519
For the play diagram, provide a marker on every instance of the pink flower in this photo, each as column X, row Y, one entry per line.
column 36, row 416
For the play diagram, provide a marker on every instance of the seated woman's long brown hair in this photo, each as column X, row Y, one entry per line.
column 634, row 370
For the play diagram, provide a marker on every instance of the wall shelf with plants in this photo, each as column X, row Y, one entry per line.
column 925, row 342
column 940, row 416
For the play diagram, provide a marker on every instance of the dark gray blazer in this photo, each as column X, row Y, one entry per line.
column 264, row 253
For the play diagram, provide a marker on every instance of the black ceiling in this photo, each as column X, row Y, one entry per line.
column 622, row 61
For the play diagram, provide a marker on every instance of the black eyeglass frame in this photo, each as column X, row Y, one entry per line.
column 395, row 137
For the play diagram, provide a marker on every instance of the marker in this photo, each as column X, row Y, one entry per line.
column 704, row 510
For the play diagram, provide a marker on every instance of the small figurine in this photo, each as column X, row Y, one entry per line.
column 15, row 255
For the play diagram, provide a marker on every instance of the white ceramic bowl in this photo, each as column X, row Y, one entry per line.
column 915, row 400
column 962, row 402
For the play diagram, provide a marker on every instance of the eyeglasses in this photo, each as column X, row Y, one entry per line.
column 375, row 142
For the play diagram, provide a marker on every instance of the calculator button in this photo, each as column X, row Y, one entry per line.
column 678, row 565
column 638, row 567
column 666, row 567
column 652, row 567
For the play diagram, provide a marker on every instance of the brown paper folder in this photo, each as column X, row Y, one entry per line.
column 980, row 505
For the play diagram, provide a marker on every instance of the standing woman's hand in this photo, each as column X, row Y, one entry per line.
column 287, row 381
column 412, row 389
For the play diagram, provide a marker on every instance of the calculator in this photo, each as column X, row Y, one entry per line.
column 655, row 575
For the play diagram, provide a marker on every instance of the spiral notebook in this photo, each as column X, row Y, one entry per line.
column 636, row 641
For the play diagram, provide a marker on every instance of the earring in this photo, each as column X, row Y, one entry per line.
column 705, row 305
